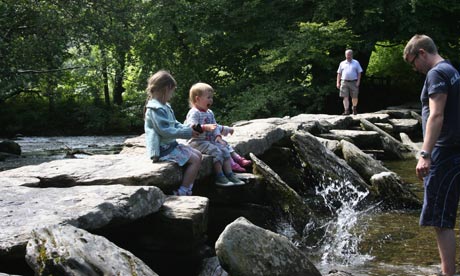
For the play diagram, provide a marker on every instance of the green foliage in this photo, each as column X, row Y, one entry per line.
column 82, row 65
column 387, row 65
column 260, row 101
column 387, row 60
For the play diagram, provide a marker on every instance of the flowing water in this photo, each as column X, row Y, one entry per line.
column 376, row 242
column 36, row 150
column 368, row 242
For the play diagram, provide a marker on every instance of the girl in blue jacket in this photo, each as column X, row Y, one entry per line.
column 162, row 129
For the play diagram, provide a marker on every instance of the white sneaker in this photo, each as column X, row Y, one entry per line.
column 181, row 192
column 235, row 180
column 223, row 181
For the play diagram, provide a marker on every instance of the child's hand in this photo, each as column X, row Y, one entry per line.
column 209, row 127
column 221, row 141
column 195, row 133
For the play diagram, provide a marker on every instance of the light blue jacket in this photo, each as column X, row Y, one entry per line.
column 161, row 128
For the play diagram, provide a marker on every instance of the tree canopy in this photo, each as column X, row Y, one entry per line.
column 80, row 66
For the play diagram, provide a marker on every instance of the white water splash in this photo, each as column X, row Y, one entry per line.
column 340, row 244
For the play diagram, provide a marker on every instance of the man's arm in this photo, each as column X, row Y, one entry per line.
column 339, row 76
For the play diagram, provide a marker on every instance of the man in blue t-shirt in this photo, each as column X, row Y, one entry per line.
column 439, row 160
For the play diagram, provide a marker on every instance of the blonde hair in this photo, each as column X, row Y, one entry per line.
column 159, row 84
column 197, row 90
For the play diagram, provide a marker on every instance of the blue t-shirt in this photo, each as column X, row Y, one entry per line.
column 444, row 78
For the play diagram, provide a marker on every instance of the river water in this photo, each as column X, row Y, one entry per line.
column 382, row 243
column 36, row 150
column 365, row 243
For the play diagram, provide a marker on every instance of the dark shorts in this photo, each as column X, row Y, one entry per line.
column 442, row 189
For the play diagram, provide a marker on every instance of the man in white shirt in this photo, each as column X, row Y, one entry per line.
column 348, row 79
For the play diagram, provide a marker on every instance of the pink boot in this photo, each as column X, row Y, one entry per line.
column 236, row 167
column 243, row 162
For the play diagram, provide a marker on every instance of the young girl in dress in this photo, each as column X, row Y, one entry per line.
column 210, row 141
column 162, row 129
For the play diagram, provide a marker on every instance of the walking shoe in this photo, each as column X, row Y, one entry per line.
column 243, row 162
column 223, row 181
column 355, row 110
column 181, row 192
column 236, row 167
column 235, row 180
column 346, row 112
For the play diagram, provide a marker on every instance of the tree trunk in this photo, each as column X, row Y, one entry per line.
column 118, row 88
column 106, row 86
column 105, row 77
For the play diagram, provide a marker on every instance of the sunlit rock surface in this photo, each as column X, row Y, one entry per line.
column 245, row 249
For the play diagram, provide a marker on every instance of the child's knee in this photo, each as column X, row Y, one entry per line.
column 196, row 158
column 198, row 154
column 218, row 160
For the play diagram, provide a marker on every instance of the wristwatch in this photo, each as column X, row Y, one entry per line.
column 425, row 155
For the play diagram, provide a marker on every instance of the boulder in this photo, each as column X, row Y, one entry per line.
column 11, row 147
column 363, row 163
column 177, row 233
column 328, row 122
column 333, row 145
column 256, row 136
column 371, row 117
column 409, row 126
column 101, row 170
column 414, row 147
column 283, row 197
column 362, row 139
column 324, row 166
column 387, row 127
column 212, row 267
column 397, row 113
column 394, row 147
column 392, row 192
column 244, row 249
column 88, row 207
column 66, row 250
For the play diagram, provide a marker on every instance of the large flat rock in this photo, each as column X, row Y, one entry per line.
column 22, row 209
column 99, row 170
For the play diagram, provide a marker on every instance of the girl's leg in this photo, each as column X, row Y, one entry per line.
column 221, row 178
column 227, row 166
column 192, row 169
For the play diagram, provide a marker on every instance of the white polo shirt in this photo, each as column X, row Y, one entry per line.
column 349, row 70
